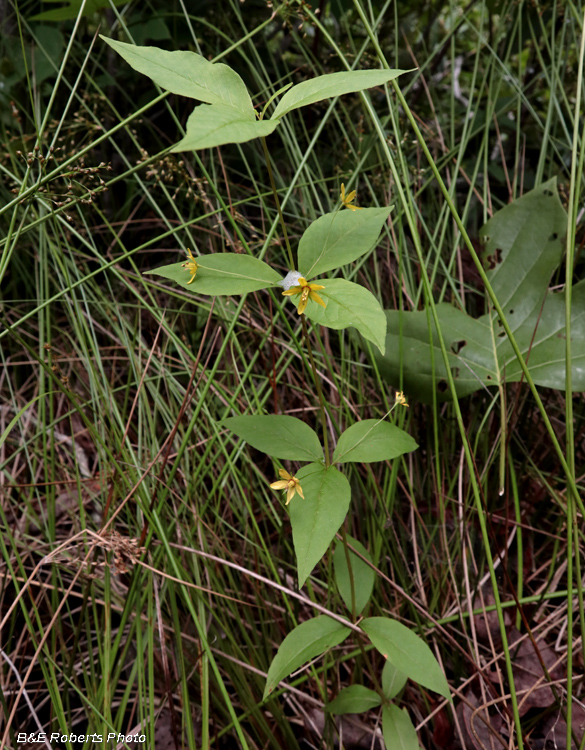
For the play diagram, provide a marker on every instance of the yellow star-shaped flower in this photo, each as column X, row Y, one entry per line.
column 307, row 292
column 346, row 200
column 191, row 266
column 400, row 398
column 288, row 483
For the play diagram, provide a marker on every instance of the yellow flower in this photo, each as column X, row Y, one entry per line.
column 288, row 483
column 346, row 200
column 191, row 266
column 400, row 398
column 307, row 292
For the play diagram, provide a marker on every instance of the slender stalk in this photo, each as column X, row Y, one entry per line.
column 277, row 201
column 350, row 571
column 570, row 440
column 319, row 391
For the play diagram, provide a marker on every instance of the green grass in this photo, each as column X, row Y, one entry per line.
column 121, row 380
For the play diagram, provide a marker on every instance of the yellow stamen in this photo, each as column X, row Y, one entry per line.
column 191, row 266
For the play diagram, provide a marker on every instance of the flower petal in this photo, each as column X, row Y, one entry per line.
column 280, row 485
column 283, row 474
column 315, row 297
column 292, row 291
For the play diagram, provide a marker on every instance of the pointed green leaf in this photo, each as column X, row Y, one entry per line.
column 332, row 84
column 393, row 680
column 398, row 729
column 363, row 575
column 349, row 304
column 525, row 246
column 277, row 435
column 354, row 700
column 317, row 517
column 72, row 8
column 212, row 125
column 409, row 653
column 338, row 238
column 305, row 642
column 222, row 273
column 188, row 74
column 372, row 440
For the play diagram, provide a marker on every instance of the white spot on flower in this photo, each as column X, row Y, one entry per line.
column 290, row 280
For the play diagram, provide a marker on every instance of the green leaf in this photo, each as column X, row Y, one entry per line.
column 315, row 519
column 393, row 680
column 278, row 435
column 363, row 576
column 338, row 238
column 189, row 74
column 354, row 700
column 372, row 440
column 525, row 247
column 71, row 10
column 222, row 273
column 398, row 730
column 212, row 125
column 349, row 304
column 305, row 642
column 409, row 653
column 332, row 84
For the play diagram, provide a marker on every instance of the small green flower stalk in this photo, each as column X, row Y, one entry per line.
column 318, row 493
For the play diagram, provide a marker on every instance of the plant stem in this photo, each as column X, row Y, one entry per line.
column 277, row 201
column 350, row 571
column 318, row 387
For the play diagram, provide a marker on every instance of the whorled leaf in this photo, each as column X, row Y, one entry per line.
column 363, row 575
column 348, row 305
column 305, row 642
column 211, row 125
column 222, row 274
column 393, row 680
column 338, row 238
column 332, row 84
column 372, row 440
column 316, row 518
column 355, row 699
column 398, row 729
column 278, row 435
column 409, row 653
column 188, row 74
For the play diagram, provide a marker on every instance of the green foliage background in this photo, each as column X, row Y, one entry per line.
column 114, row 383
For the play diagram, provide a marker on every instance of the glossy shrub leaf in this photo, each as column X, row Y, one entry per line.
column 354, row 700
column 316, row 518
column 277, row 435
column 398, row 729
column 188, row 74
column 212, row 125
column 222, row 274
column 338, row 238
column 305, row 642
column 393, row 680
column 363, row 576
column 409, row 653
column 348, row 305
column 372, row 440
column 525, row 246
column 332, row 84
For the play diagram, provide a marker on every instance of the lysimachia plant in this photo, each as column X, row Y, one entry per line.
column 318, row 494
